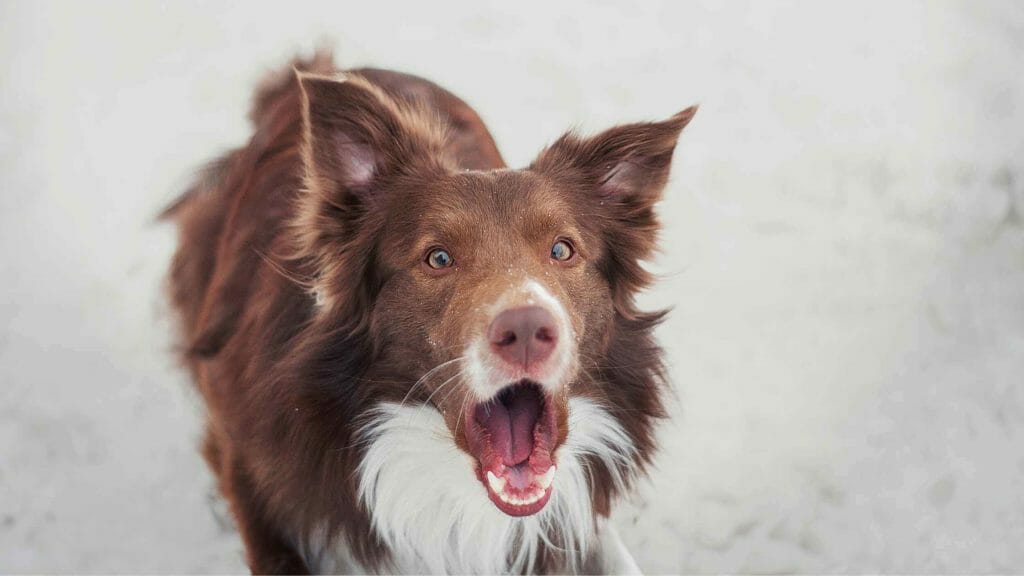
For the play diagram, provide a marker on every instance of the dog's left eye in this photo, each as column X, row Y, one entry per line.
column 439, row 258
column 561, row 251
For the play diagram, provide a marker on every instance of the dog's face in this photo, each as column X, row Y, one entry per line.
column 492, row 284
column 491, row 296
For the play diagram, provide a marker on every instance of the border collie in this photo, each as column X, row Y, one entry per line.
column 413, row 358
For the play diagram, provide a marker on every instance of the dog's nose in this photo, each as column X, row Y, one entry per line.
column 523, row 336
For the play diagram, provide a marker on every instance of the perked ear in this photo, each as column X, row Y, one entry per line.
column 357, row 143
column 628, row 163
column 617, row 176
column 356, row 136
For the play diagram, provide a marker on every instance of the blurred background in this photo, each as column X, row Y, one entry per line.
column 843, row 249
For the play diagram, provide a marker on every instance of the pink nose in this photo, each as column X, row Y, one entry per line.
column 523, row 336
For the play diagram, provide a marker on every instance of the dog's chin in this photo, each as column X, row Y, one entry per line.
column 513, row 437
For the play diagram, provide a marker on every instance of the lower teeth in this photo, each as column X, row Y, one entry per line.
column 521, row 502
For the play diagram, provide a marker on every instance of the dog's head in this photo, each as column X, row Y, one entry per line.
column 495, row 297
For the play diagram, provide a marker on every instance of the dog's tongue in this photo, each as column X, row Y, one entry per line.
column 510, row 421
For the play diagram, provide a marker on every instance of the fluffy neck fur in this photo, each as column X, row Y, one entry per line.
column 434, row 515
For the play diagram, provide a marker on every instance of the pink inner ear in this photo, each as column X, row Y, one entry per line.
column 356, row 161
column 621, row 179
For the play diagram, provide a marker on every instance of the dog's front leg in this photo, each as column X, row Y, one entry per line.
column 611, row 555
column 267, row 552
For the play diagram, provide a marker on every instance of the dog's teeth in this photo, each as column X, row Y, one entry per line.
column 547, row 478
column 497, row 484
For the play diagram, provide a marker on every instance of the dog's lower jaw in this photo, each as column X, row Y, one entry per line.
column 448, row 524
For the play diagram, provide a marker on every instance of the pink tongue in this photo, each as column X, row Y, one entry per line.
column 510, row 422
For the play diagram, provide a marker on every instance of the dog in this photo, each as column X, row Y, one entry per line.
column 415, row 359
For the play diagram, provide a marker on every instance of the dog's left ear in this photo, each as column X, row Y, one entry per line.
column 616, row 178
column 626, row 164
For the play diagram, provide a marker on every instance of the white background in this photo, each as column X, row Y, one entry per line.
column 844, row 249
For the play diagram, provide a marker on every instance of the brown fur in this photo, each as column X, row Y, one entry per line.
column 274, row 226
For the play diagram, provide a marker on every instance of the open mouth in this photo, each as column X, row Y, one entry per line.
column 512, row 437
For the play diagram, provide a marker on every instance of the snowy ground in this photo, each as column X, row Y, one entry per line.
column 844, row 250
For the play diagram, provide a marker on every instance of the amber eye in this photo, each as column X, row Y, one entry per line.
column 439, row 258
column 561, row 251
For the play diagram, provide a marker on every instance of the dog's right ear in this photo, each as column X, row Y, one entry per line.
column 358, row 142
column 357, row 138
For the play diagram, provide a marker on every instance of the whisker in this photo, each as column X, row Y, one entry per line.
column 423, row 379
column 426, row 402
column 453, row 390
column 462, row 410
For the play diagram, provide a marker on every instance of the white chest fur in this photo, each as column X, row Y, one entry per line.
column 432, row 512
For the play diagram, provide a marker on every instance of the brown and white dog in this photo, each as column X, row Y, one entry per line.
column 416, row 359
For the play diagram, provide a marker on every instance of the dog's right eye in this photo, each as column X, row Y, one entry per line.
column 439, row 258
